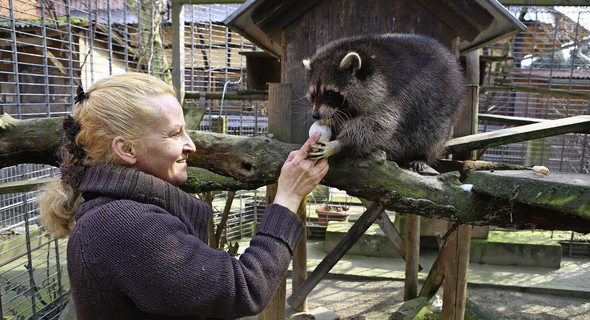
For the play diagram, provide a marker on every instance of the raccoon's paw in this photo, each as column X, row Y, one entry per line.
column 422, row 168
column 322, row 150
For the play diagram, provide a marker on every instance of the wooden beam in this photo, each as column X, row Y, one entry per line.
column 388, row 228
column 237, row 95
column 178, row 50
column 399, row 244
column 276, row 307
column 459, row 244
column 456, row 269
column 551, row 92
column 517, row 121
column 299, row 273
column 24, row 186
column 412, row 256
column 352, row 235
column 577, row 124
column 279, row 122
column 435, row 277
column 544, row 2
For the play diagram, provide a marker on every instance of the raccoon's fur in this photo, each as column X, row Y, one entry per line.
column 396, row 92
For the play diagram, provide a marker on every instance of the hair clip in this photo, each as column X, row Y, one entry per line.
column 81, row 95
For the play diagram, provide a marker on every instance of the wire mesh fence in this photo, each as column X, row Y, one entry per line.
column 48, row 48
column 542, row 72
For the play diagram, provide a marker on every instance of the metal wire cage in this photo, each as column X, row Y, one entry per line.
column 543, row 72
column 47, row 49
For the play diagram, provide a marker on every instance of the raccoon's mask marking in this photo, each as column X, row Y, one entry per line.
column 328, row 101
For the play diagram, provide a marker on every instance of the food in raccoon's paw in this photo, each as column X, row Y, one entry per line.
column 323, row 148
column 399, row 93
column 325, row 131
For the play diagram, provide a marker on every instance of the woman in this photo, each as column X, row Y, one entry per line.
column 138, row 247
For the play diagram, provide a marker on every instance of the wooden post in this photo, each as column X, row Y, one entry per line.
column 456, row 269
column 280, row 97
column 279, row 119
column 178, row 50
column 412, row 256
column 276, row 306
column 299, row 274
column 459, row 242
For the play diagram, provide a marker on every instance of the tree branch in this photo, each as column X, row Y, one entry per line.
column 237, row 162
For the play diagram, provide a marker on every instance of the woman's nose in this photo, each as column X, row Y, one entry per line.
column 189, row 145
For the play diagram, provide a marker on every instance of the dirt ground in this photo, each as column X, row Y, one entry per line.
column 350, row 298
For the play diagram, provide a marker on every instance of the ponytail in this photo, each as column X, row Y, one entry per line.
column 58, row 203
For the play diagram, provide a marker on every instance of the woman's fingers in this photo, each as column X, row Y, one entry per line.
column 321, row 168
column 302, row 152
column 292, row 155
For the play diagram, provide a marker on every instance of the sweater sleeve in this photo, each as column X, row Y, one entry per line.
column 149, row 255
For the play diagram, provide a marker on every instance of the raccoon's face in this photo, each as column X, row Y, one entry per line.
column 327, row 101
column 330, row 85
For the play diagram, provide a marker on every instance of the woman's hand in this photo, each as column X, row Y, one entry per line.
column 299, row 176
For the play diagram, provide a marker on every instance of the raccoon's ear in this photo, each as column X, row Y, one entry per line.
column 307, row 64
column 351, row 60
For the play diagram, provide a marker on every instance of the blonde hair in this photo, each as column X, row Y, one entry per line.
column 116, row 106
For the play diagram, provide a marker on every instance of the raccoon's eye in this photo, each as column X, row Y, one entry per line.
column 331, row 93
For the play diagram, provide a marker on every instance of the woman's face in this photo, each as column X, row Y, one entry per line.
column 166, row 145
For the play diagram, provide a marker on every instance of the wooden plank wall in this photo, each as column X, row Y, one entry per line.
column 333, row 19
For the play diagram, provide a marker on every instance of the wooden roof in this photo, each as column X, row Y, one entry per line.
column 477, row 22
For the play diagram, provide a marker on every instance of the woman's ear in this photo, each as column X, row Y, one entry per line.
column 124, row 150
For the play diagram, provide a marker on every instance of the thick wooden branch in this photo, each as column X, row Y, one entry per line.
column 256, row 161
column 29, row 141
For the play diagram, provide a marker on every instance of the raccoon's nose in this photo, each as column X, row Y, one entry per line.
column 316, row 115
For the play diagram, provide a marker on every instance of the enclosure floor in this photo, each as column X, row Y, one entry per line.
column 571, row 279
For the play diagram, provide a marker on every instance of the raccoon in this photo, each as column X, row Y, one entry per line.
column 399, row 93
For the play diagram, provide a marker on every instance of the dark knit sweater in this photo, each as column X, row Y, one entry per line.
column 139, row 250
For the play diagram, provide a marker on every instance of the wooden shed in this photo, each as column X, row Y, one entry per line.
column 293, row 30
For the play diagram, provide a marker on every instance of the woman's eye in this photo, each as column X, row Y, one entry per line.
column 176, row 134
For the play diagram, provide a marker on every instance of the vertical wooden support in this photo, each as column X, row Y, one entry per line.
column 276, row 306
column 459, row 242
column 299, row 274
column 467, row 122
column 280, row 97
column 456, row 268
column 412, row 256
column 178, row 50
